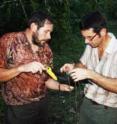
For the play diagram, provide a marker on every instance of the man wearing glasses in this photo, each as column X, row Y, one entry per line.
column 98, row 64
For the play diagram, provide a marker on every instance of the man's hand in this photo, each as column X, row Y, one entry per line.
column 33, row 67
column 67, row 67
column 65, row 87
column 79, row 74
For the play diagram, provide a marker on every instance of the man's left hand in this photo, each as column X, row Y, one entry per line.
column 65, row 87
column 79, row 74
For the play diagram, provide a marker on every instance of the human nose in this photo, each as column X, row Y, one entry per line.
column 49, row 36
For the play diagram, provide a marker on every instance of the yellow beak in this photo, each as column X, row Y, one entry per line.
column 51, row 73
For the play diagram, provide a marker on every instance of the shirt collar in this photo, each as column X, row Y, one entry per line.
column 112, row 46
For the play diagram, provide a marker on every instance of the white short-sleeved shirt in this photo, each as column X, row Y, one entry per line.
column 106, row 66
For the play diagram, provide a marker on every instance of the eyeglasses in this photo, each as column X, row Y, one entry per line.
column 90, row 38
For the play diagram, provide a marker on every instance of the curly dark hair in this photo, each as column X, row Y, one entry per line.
column 93, row 20
column 39, row 19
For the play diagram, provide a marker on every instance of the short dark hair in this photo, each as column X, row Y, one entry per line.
column 39, row 19
column 93, row 20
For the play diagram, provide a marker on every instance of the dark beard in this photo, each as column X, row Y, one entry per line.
column 36, row 41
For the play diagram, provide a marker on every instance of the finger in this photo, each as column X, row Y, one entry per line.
column 61, row 69
column 41, row 66
column 68, row 88
column 72, row 74
column 66, row 69
column 71, row 88
column 76, row 80
column 40, row 70
column 33, row 71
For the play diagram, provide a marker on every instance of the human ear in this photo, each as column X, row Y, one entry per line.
column 103, row 32
column 33, row 27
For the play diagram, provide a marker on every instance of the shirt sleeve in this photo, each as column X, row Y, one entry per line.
column 3, row 46
column 2, row 58
column 18, row 52
column 10, row 46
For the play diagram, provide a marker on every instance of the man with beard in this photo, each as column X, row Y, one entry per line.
column 98, row 64
column 23, row 60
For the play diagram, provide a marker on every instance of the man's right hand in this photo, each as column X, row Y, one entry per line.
column 33, row 67
column 67, row 67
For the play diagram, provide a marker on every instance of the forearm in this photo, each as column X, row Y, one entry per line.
column 33, row 67
column 7, row 74
column 52, row 84
column 109, row 84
